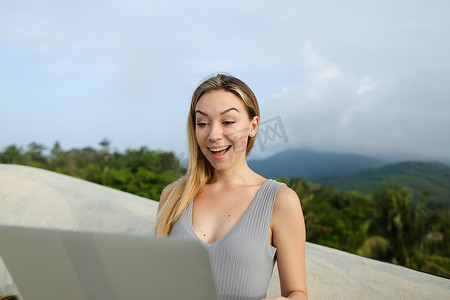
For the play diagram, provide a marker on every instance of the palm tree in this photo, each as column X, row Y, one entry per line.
column 396, row 232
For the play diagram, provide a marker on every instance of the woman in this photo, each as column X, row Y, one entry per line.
column 246, row 221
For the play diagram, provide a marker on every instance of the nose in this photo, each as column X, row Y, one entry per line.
column 215, row 132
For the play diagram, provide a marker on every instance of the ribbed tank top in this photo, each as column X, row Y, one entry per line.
column 243, row 259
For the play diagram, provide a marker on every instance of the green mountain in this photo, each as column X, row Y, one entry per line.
column 417, row 177
column 312, row 165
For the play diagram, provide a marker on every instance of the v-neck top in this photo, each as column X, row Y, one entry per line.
column 243, row 259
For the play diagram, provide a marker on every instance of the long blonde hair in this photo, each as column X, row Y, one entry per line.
column 200, row 171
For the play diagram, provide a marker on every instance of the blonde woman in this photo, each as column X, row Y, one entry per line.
column 245, row 220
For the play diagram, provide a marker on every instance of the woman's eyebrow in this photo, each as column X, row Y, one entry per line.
column 200, row 112
column 230, row 109
column 222, row 113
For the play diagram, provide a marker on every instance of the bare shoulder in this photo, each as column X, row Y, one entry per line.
column 286, row 199
column 165, row 194
column 287, row 209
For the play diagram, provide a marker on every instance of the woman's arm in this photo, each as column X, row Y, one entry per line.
column 289, row 237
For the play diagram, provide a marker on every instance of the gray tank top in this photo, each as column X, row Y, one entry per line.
column 243, row 259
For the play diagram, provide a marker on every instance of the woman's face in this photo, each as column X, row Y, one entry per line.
column 222, row 127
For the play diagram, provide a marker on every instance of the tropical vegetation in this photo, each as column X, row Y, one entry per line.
column 142, row 172
column 388, row 223
column 384, row 225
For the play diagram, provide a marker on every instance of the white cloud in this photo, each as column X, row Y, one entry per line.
column 366, row 85
column 320, row 112
column 333, row 110
column 322, row 71
column 370, row 80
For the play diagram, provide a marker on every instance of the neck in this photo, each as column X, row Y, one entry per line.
column 241, row 175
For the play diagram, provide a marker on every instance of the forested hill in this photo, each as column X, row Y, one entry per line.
column 312, row 165
column 417, row 177
column 383, row 225
column 360, row 173
column 142, row 172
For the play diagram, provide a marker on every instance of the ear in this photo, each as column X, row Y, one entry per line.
column 254, row 126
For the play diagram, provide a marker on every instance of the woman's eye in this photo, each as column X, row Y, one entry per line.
column 201, row 124
column 228, row 122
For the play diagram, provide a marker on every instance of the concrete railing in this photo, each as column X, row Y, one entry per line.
column 35, row 197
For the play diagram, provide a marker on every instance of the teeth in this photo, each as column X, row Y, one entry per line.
column 218, row 149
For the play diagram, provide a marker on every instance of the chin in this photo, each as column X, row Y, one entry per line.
column 220, row 166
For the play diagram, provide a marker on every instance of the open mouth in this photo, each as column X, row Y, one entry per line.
column 219, row 152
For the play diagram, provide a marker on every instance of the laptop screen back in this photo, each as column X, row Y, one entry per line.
column 59, row 264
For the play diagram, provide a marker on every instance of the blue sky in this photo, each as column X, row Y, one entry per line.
column 368, row 77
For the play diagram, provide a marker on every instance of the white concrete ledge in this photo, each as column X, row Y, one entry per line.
column 35, row 197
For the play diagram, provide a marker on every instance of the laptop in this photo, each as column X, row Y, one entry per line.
column 60, row 264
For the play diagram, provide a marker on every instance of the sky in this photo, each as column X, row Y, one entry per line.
column 367, row 77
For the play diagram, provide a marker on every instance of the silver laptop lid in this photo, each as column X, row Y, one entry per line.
column 59, row 264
